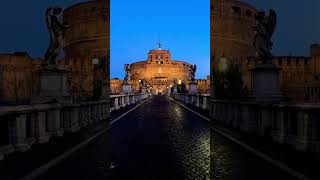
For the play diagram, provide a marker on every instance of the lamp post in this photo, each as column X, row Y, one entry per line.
column 223, row 66
column 95, row 62
column 140, row 86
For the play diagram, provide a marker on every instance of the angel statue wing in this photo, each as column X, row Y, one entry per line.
column 272, row 22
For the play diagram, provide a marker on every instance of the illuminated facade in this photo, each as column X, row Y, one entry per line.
column 160, row 71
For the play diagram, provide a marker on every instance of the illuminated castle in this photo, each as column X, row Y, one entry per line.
column 159, row 71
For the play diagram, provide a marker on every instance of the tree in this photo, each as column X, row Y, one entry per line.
column 228, row 84
column 181, row 88
column 234, row 83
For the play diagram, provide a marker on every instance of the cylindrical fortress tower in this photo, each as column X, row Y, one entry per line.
column 89, row 32
column 232, row 24
column 88, row 38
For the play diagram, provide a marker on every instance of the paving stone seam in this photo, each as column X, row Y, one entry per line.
column 257, row 153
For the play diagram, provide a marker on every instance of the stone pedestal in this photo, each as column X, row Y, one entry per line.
column 21, row 136
column 265, row 81
column 193, row 88
column 175, row 90
column 40, row 123
column 54, row 123
column 126, row 88
column 106, row 89
column 53, row 80
column 144, row 90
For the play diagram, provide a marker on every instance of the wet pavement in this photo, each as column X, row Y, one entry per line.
column 162, row 140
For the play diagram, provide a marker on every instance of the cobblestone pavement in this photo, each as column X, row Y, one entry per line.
column 162, row 140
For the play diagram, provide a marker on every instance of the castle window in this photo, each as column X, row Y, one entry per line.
column 248, row 13
column 236, row 10
column 288, row 62
column 82, row 62
column 280, row 62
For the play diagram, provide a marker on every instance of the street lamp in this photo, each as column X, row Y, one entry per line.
column 95, row 62
column 223, row 64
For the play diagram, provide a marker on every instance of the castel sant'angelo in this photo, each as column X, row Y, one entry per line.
column 232, row 37
column 85, row 40
column 159, row 71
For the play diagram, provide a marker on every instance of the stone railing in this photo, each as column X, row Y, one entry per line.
column 198, row 100
column 297, row 125
column 119, row 101
column 22, row 126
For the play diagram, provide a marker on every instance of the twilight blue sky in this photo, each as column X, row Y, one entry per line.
column 23, row 26
column 298, row 24
column 183, row 27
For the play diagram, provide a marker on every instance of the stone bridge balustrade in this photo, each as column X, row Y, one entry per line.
column 297, row 125
column 122, row 100
column 24, row 125
column 198, row 100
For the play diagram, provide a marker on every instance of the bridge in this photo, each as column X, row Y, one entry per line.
column 149, row 137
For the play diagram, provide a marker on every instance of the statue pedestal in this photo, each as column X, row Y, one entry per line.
column 175, row 90
column 144, row 90
column 126, row 88
column 193, row 89
column 53, row 80
column 265, row 81
column 105, row 89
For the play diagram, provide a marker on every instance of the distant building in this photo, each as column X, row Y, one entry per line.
column 116, row 86
column 19, row 78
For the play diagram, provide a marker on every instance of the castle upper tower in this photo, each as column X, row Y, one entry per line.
column 89, row 32
column 231, row 28
column 159, row 56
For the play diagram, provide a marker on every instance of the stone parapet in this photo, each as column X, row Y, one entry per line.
column 29, row 124
column 293, row 124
